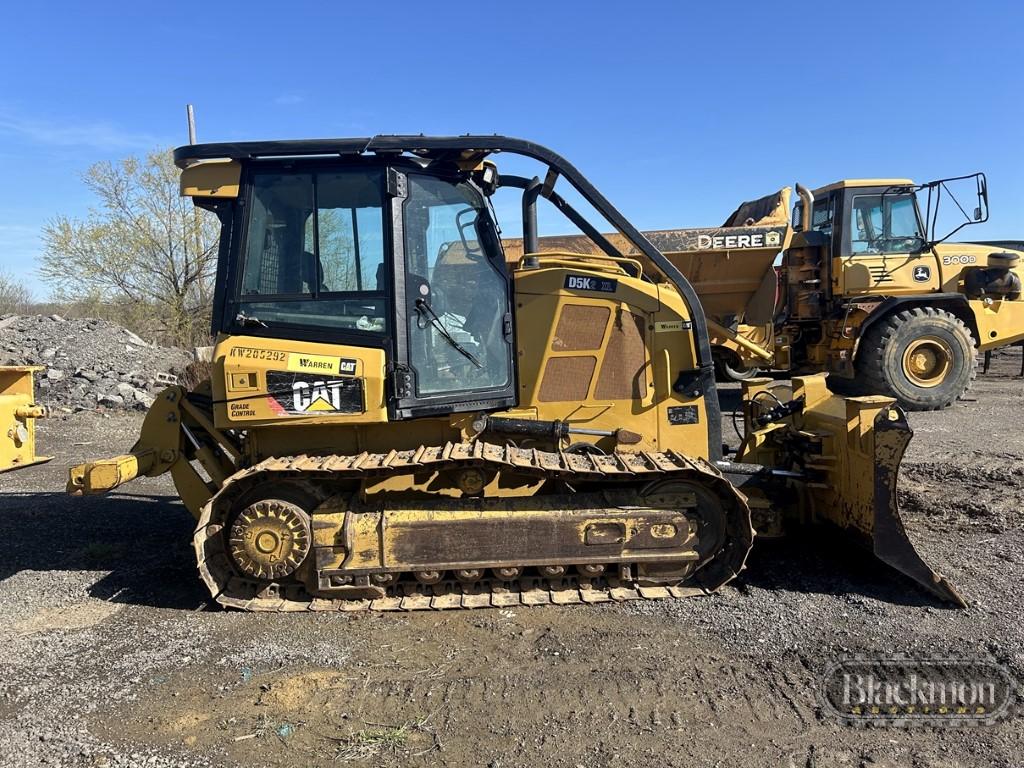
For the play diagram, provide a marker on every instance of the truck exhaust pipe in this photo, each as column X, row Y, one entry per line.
column 807, row 209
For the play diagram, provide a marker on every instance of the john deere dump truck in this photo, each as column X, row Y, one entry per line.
column 396, row 420
column 865, row 291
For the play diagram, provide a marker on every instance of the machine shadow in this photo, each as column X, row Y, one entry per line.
column 820, row 561
column 143, row 545
column 730, row 398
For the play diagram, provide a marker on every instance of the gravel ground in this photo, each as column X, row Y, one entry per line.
column 110, row 655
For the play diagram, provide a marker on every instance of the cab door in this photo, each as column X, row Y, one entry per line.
column 882, row 246
column 455, row 350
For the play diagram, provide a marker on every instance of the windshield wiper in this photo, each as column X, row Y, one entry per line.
column 423, row 306
column 246, row 321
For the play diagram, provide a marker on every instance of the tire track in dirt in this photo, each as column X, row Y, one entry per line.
column 655, row 698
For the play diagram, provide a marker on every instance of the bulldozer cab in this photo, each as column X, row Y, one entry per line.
column 364, row 253
column 390, row 244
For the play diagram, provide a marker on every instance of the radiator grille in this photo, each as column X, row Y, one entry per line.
column 624, row 370
column 580, row 327
column 567, row 379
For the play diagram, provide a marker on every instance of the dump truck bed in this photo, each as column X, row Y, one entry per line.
column 729, row 266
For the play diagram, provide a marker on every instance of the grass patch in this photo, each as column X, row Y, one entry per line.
column 386, row 739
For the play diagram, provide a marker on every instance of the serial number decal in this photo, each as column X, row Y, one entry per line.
column 948, row 260
column 590, row 283
column 302, row 393
column 683, row 414
column 251, row 353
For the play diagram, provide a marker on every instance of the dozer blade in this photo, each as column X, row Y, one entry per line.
column 889, row 539
column 849, row 450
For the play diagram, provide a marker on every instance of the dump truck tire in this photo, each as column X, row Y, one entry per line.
column 924, row 357
column 729, row 368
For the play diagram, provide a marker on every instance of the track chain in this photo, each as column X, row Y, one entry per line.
column 234, row 591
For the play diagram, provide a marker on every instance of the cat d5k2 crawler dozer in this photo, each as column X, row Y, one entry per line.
column 398, row 420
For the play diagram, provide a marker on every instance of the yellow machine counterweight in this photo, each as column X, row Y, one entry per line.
column 400, row 418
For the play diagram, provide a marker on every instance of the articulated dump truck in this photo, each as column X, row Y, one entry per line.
column 864, row 289
column 398, row 418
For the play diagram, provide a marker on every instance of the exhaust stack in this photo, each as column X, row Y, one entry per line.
column 807, row 209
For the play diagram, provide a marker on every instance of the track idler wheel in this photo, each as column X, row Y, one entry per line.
column 721, row 520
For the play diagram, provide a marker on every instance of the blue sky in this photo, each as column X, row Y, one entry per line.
column 676, row 110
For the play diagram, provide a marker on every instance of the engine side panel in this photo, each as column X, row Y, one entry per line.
column 605, row 352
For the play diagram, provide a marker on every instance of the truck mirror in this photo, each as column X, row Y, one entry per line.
column 948, row 204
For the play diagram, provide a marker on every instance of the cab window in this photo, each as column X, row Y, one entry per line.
column 457, row 290
column 314, row 251
column 884, row 224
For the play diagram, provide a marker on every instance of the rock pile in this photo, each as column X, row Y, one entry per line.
column 90, row 364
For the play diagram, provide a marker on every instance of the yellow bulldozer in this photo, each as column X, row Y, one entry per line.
column 857, row 283
column 400, row 419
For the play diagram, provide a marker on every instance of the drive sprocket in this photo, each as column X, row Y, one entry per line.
column 269, row 539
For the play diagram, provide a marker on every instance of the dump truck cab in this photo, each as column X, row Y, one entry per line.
column 878, row 244
column 865, row 233
column 871, row 292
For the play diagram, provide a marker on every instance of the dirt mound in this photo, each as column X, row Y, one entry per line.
column 89, row 363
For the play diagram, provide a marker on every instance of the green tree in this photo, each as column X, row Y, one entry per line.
column 337, row 255
column 142, row 247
